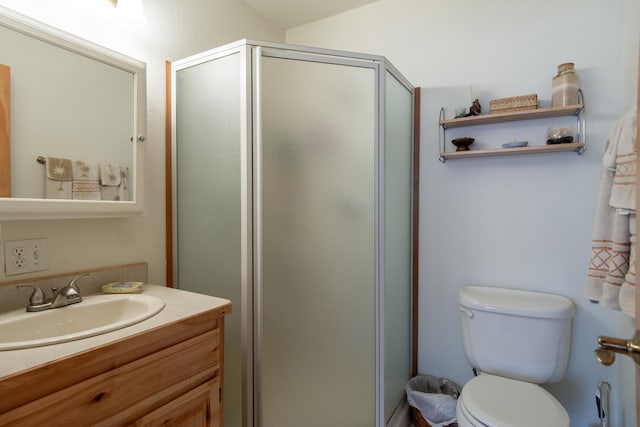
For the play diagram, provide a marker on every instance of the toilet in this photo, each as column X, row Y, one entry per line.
column 516, row 340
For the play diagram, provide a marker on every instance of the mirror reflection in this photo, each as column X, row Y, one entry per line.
column 67, row 118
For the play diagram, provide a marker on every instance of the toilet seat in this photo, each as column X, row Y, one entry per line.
column 490, row 400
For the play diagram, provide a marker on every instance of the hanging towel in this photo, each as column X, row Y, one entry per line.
column 109, row 174
column 611, row 273
column 628, row 288
column 114, row 182
column 57, row 178
column 85, row 180
column 623, row 191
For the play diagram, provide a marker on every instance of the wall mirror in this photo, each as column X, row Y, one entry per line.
column 72, row 122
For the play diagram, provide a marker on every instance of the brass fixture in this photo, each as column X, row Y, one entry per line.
column 609, row 346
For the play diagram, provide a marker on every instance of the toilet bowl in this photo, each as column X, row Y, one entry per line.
column 490, row 400
column 517, row 340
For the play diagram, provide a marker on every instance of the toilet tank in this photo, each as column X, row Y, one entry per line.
column 516, row 334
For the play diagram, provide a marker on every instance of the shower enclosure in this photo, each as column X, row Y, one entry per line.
column 292, row 170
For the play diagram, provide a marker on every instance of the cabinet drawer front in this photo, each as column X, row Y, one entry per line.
column 120, row 396
column 196, row 408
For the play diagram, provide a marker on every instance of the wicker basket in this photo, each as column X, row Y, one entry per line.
column 419, row 421
column 514, row 103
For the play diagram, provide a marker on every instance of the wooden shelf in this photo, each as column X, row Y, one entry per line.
column 532, row 149
column 576, row 110
column 539, row 113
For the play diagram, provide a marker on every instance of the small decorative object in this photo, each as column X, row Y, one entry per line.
column 515, row 144
column 565, row 86
column 514, row 103
column 461, row 112
column 122, row 288
column 559, row 135
column 476, row 108
column 462, row 143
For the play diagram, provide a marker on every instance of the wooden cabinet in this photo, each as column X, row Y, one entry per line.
column 494, row 118
column 169, row 376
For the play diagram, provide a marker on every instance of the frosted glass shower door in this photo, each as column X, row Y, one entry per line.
column 208, row 199
column 316, row 245
column 398, row 159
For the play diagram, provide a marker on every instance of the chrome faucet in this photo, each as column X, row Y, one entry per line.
column 62, row 297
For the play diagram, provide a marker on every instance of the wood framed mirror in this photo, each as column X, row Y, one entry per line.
column 5, row 129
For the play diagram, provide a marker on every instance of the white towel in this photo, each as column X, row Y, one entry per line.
column 611, row 274
column 85, row 180
column 113, row 188
column 623, row 191
column 110, row 174
column 628, row 288
column 57, row 178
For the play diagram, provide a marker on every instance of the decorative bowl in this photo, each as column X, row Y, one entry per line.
column 462, row 143
column 559, row 135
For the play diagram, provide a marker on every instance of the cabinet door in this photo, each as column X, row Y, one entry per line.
column 199, row 407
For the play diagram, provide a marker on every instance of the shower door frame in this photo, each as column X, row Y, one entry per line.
column 250, row 53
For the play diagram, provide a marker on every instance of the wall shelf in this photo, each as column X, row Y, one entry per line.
column 531, row 149
column 496, row 118
column 539, row 113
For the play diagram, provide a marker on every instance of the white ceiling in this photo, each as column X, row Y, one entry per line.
column 293, row 13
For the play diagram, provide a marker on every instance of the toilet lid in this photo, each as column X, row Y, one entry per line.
column 499, row 401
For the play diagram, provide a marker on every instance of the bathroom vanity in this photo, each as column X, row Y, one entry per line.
column 166, row 370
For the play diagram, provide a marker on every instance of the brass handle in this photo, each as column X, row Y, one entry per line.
column 609, row 346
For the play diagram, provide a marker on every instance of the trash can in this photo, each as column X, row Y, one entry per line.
column 433, row 401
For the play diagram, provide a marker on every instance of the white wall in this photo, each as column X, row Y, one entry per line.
column 522, row 222
column 175, row 29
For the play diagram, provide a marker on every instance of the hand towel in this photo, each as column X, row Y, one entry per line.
column 85, row 180
column 111, row 190
column 611, row 274
column 109, row 174
column 623, row 191
column 57, row 180
column 628, row 288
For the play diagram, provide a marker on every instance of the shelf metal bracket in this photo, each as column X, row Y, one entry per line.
column 441, row 135
column 582, row 123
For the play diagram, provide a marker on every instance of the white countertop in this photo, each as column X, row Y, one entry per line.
column 179, row 304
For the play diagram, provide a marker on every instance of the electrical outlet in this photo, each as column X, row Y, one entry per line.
column 25, row 256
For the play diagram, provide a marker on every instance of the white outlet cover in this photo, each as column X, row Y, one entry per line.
column 34, row 256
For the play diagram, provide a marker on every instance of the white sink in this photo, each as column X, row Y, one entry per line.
column 95, row 315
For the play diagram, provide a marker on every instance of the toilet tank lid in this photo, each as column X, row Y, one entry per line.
column 516, row 302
